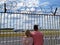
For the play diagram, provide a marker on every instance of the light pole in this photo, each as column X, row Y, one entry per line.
column 59, row 22
column 0, row 21
column 4, row 7
column 4, row 10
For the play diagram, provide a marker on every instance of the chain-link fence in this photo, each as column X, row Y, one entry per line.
column 13, row 26
column 16, row 18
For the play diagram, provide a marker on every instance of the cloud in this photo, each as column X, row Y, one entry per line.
column 32, row 3
column 32, row 9
column 58, row 11
column 15, row 5
column 1, row 2
column 26, row 3
column 21, row 4
column 44, row 4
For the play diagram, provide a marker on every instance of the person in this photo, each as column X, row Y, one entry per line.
column 27, row 40
column 37, row 36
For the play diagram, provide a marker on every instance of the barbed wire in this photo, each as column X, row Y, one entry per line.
column 13, row 4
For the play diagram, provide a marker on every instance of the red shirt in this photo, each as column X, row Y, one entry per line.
column 37, row 37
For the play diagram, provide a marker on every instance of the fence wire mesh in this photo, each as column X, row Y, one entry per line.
column 13, row 26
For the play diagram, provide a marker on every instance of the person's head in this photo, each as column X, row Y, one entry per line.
column 35, row 27
column 27, row 33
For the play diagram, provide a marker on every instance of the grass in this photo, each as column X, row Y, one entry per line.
column 6, row 31
column 51, row 32
column 14, row 34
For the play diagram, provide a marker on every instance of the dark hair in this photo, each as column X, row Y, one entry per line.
column 35, row 27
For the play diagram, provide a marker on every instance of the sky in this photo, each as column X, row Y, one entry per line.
column 30, row 5
column 25, row 21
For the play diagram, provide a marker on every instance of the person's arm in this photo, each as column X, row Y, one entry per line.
column 31, row 34
column 42, row 41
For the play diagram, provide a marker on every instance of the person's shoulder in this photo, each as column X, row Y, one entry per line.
column 41, row 33
column 31, row 32
column 24, row 37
